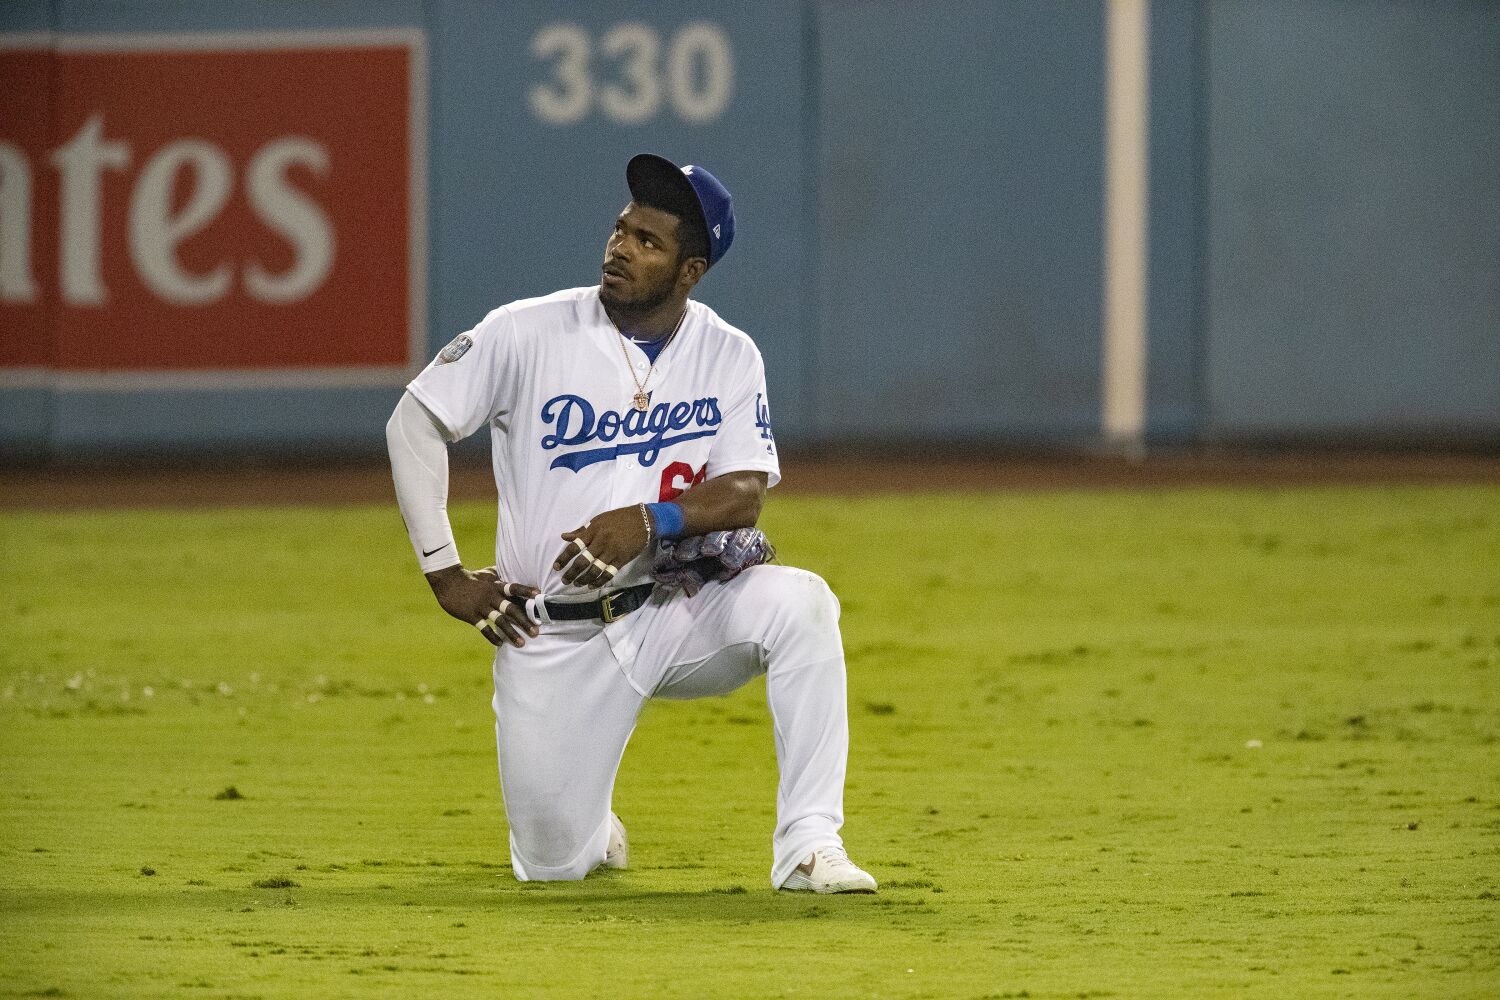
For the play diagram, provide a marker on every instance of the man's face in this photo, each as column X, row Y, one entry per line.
column 641, row 268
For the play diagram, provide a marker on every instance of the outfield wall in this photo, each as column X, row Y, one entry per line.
column 1353, row 230
column 243, row 226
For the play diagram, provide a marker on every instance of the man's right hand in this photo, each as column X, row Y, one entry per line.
column 482, row 599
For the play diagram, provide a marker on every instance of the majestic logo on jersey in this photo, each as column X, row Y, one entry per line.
column 457, row 348
column 643, row 432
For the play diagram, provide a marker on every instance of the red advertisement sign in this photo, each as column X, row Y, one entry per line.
column 230, row 204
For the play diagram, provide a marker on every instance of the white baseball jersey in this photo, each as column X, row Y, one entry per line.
column 550, row 377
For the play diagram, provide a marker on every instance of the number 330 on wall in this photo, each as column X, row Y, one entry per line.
column 624, row 76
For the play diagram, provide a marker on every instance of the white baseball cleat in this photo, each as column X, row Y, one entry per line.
column 828, row 869
column 617, row 854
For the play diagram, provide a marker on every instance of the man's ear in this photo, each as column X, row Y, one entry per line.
column 692, row 271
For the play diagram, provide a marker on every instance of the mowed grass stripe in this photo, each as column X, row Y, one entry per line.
column 1180, row 743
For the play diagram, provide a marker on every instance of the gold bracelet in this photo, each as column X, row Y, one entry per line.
column 646, row 520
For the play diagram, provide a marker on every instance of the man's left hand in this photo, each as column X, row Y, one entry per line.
column 596, row 551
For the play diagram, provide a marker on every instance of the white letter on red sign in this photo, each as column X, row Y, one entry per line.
column 15, row 226
column 81, row 162
column 155, row 232
column 292, row 214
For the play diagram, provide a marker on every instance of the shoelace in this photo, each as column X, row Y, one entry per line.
column 836, row 855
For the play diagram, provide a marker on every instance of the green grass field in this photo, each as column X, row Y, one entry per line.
column 1180, row 744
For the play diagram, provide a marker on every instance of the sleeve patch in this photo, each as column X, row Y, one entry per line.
column 456, row 349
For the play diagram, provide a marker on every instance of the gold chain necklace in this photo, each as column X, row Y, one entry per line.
column 642, row 399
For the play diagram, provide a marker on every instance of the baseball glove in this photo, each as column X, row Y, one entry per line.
column 689, row 563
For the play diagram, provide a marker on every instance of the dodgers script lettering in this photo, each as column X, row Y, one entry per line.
column 643, row 432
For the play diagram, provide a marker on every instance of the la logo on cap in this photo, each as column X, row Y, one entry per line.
column 716, row 232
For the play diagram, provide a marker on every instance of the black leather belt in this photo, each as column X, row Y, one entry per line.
column 611, row 607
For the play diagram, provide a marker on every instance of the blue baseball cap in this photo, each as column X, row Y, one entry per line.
column 657, row 181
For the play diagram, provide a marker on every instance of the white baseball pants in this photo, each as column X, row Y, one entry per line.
column 566, row 703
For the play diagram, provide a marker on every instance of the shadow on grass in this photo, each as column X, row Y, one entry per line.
column 625, row 902
column 601, row 897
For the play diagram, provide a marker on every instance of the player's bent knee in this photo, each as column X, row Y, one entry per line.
column 542, row 864
column 551, row 852
column 825, row 602
column 527, row 872
column 798, row 596
column 811, row 597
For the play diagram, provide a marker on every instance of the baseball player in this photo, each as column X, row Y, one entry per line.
column 624, row 415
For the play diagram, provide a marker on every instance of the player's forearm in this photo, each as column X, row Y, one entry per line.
column 419, row 469
column 723, row 503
